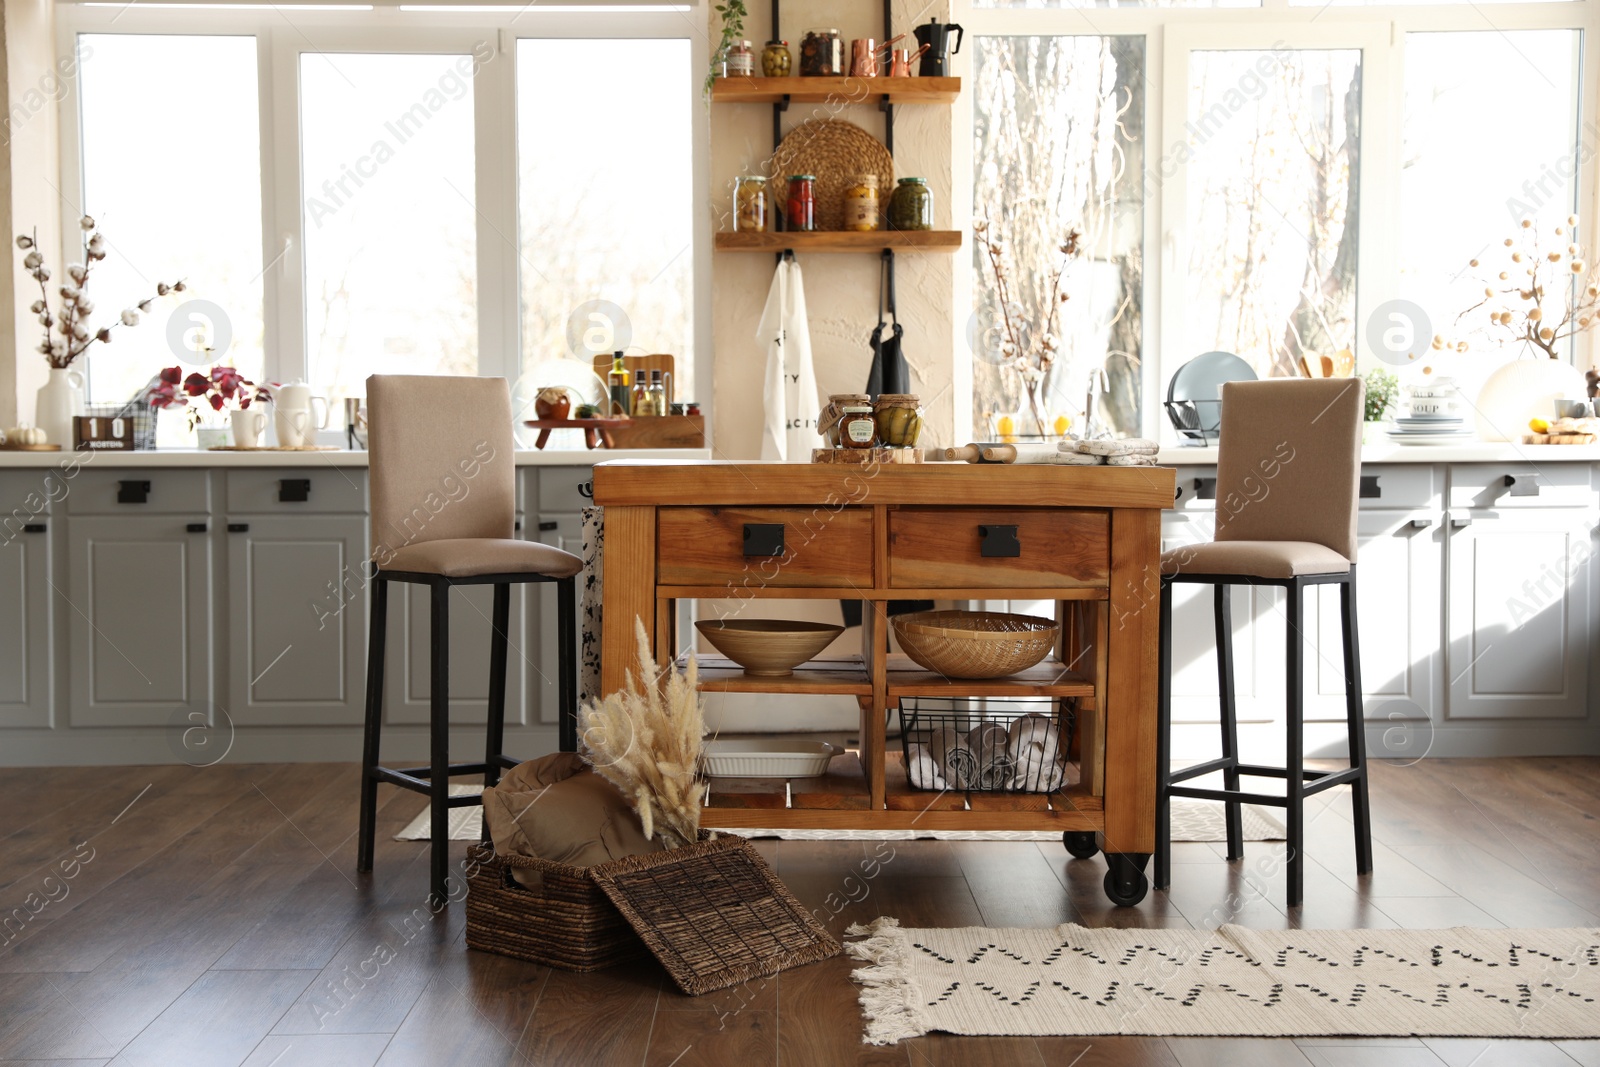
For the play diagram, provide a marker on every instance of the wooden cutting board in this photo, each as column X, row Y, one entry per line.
column 1558, row 439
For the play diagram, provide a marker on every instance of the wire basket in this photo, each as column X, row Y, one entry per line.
column 139, row 411
column 1198, row 422
column 1021, row 747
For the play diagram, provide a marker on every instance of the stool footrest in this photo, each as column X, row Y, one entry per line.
column 1329, row 779
column 418, row 779
column 1222, row 794
column 1209, row 767
column 1253, row 770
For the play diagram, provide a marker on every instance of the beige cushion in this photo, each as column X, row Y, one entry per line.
column 441, row 460
column 1289, row 462
column 1260, row 559
column 555, row 808
column 472, row 556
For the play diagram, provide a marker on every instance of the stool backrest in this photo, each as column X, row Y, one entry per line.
column 1289, row 461
column 441, row 462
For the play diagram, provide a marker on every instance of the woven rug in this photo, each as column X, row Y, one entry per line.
column 1229, row 982
column 1192, row 820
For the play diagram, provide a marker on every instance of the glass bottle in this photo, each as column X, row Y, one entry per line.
column 911, row 206
column 750, row 204
column 741, row 60
column 658, row 395
column 641, row 395
column 619, row 380
column 801, row 216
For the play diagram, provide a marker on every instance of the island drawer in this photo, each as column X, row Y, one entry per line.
column 981, row 548
column 119, row 491
column 322, row 488
column 778, row 547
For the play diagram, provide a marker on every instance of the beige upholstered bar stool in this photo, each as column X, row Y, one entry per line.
column 442, row 475
column 1288, row 479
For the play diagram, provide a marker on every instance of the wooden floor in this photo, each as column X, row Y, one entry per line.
column 178, row 917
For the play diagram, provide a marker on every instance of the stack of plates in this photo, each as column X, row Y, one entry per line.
column 1430, row 430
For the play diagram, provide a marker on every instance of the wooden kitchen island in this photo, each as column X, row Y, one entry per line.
column 1089, row 539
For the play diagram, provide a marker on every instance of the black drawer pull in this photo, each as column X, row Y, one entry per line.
column 133, row 492
column 238, row 527
column 586, row 490
column 763, row 538
column 294, row 490
column 1524, row 484
column 546, row 527
column 196, row 527
column 1205, row 489
column 996, row 542
column 34, row 527
column 1369, row 487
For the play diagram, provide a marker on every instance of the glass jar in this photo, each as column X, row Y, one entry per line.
column 741, row 60
column 776, row 60
column 899, row 419
column 861, row 203
column 857, row 428
column 833, row 413
column 821, row 53
column 911, row 206
column 801, row 216
column 750, row 204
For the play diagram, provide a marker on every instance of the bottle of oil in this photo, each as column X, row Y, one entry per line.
column 643, row 399
column 620, row 380
column 659, row 405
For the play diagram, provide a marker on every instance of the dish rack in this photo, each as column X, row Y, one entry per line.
column 1009, row 746
column 1191, row 419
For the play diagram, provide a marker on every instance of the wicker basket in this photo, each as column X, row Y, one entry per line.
column 567, row 923
column 975, row 644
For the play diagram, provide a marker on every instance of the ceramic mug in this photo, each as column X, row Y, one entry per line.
column 1574, row 407
column 248, row 426
column 1432, row 406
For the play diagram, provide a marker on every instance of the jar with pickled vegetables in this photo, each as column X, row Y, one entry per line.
column 899, row 419
column 741, row 59
column 857, row 429
column 801, row 213
column 750, row 204
column 911, row 206
column 833, row 414
column 776, row 60
column 821, row 53
column 861, row 203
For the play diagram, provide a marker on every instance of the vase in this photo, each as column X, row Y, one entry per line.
column 1521, row 390
column 58, row 400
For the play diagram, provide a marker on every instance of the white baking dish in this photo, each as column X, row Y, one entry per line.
column 766, row 758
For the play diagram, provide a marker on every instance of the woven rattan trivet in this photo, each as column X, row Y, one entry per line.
column 716, row 917
column 835, row 152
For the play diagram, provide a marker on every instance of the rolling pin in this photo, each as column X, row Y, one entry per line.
column 975, row 453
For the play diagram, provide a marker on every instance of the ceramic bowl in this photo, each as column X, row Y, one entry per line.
column 768, row 648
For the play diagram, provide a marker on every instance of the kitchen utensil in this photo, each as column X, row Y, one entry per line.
column 1194, row 394
column 836, row 152
column 768, row 648
column 295, row 414
column 864, row 57
column 900, row 61
column 355, row 422
column 766, row 758
column 935, row 38
column 249, row 424
column 974, row 644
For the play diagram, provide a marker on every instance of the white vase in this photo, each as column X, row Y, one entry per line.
column 58, row 400
column 1521, row 390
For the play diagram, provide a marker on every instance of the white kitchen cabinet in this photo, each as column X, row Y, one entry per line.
column 559, row 524
column 25, row 603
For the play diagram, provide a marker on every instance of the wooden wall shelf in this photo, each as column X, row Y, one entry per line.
column 739, row 90
column 842, row 241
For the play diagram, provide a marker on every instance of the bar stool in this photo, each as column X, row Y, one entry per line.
column 442, row 478
column 1288, row 478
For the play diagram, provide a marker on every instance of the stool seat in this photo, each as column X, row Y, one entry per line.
column 470, row 557
column 1257, row 559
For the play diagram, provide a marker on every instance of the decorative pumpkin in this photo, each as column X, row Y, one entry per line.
column 23, row 435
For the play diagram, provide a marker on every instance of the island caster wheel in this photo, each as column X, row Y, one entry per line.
column 1080, row 843
column 1125, row 882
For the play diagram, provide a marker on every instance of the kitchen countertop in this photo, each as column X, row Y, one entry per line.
column 1467, row 452
column 188, row 457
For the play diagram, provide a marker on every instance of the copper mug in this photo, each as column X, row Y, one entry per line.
column 864, row 58
column 900, row 62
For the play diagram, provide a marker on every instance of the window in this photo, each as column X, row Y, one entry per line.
column 171, row 168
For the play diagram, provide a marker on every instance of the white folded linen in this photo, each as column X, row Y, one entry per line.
column 1131, row 460
column 1035, row 747
column 957, row 764
column 922, row 768
column 1106, row 446
column 1078, row 459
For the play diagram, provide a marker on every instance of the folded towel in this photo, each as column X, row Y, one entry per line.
column 1078, row 459
column 1131, row 460
column 1106, row 446
column 1035, row 747
column 957, row 764
column 923, row 769
column 991, row 744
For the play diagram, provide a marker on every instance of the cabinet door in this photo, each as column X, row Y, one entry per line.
column 566, row 533
column 139, row 600
column 297, row 613
column 471, row 617
column 25, row 603
column 1522, row 598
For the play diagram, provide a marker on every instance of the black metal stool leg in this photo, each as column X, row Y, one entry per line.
column 1163, row 865
column 1360, row 810
column 1295, row 794
column 499, row 644
column 1222, row 612
column 567, row 671
column 439, row 740
column 378, row 632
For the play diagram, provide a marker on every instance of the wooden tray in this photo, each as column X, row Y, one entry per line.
column 275, row 448
column 597, row 433
column 30, row 448
column 866, row 455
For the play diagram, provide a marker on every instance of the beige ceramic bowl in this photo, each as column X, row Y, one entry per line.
column 768, row 648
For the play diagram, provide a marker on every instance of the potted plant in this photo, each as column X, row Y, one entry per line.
column 1383, row 389
column 733, row 14
column 68, row 332
column 221, row 388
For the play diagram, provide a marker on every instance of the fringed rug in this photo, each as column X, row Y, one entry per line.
column 1229, row 982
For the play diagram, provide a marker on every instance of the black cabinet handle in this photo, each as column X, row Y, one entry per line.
column 294, row 490
column 997, row 542
column 1524, row 484
column 1369, row 487
column 546, row 527
column 1205, row 489
column 586, row 490
column 196, row 527
column 133, row 492
column 238, row 527
column 34, row 527
column 763, row 538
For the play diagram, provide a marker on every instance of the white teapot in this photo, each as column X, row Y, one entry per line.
column 294, row 415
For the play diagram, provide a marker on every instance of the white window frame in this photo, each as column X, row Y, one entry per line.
column 284, row 34
column 1171, row 34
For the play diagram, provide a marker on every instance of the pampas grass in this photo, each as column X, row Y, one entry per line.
column 645, row 740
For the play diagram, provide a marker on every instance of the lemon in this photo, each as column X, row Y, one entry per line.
column 1538, row 426
column 1062, row 424
column 1006, row 427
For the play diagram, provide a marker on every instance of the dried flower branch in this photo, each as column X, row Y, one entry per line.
column 645, row 740
column 1516, row 301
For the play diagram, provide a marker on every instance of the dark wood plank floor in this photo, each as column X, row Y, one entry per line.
column 213, row 917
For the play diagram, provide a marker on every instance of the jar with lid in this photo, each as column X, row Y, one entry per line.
column 741, row 59
column 776, row 60
column 821, row 53
column 833, row 413
column 899, row 419
column 750, row 204
column 801, row 216
column 861, row 203
column 911, row 206
column 857, row 428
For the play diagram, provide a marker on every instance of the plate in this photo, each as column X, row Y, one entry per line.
column 766, row 758
column 1201, row 379
column 1433, row 438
